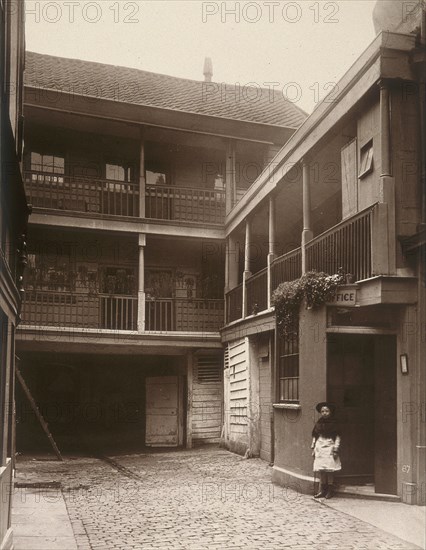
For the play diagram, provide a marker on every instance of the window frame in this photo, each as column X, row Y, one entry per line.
column 288, row 349
column 366, row 159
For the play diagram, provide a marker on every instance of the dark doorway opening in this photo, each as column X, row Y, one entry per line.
column 361, row 381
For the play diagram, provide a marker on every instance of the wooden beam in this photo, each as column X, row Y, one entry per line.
column 38, row 414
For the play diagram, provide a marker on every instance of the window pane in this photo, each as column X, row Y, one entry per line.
column 115, row 172
column 155, row 178
column 36, row 163
column 59, row 165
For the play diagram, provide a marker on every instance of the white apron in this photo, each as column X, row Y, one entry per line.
column 323, row 452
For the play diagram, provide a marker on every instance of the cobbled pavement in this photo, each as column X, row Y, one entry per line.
column 194, row 499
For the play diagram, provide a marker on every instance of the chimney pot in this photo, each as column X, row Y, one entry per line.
column 208, row 69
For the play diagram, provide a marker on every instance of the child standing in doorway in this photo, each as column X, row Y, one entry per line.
column 325, row 445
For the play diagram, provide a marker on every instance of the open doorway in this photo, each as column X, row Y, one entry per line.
column 361, row 381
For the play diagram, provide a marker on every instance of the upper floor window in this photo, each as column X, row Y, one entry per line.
column 366, row 159
column 119, row 172
column 156, row 177
column 51, row 166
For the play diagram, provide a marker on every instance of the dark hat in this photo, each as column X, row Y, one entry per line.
column 331, row 406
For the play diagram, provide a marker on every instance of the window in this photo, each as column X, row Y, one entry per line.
column 288, row 369
column 156, row 178
column 119, row 281
column 366, row 160
column 117, row 172
column 53, row 271
column 51, row 168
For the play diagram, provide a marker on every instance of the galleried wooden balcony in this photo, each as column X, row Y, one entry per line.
column 76, row 194
column 112, row 312
column 185, row 204
column 118, row 198
column 349, row 245
column 184, row 315
column 79, row 310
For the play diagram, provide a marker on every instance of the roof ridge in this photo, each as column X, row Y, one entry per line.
column 140, row 87
column 180, row 78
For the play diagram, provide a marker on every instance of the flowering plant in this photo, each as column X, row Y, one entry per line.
column 316, row 288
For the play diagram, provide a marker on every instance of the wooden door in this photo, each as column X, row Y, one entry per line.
column 265, row 409
column 385, row 436
column 350, row 385
column 163, row 410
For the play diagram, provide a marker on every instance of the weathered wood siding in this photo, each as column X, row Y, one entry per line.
column 207, row 400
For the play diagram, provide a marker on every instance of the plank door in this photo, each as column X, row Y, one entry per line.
column 162, row 412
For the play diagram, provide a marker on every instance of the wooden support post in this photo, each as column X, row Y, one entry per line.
column 233, row 262
column 189, row 398
column 271, row 248
column 142, row 181
column 38, row 414
column 387, row 182
column 230, row 190
column 385, row 131
column 307, row 234
column 141, row 284
column 247, row 272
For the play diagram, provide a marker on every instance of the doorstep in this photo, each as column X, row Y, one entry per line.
column 364, row 492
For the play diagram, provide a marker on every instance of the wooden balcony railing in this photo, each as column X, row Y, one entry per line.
column 185, row 203
column 184, row 315
column 64, row 309
column 116, row 198
column 77, row 194
column 234, row 304
column 287, row 267
column 257, row 292
column 346, row 245
column 119, row 312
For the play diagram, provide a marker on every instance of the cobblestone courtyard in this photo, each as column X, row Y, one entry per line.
column 198, row 499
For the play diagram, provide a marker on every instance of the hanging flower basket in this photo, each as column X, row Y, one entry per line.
column 315, row 288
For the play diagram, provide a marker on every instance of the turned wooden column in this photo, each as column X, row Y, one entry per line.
column 142, row 181
column 307, row 233
column 141, row 284
column 272, row 246
column 247, row 272
column 230, row 180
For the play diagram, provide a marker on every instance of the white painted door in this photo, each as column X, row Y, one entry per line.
column 162, row 411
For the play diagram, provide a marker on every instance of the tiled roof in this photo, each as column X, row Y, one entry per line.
column 133, row 86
